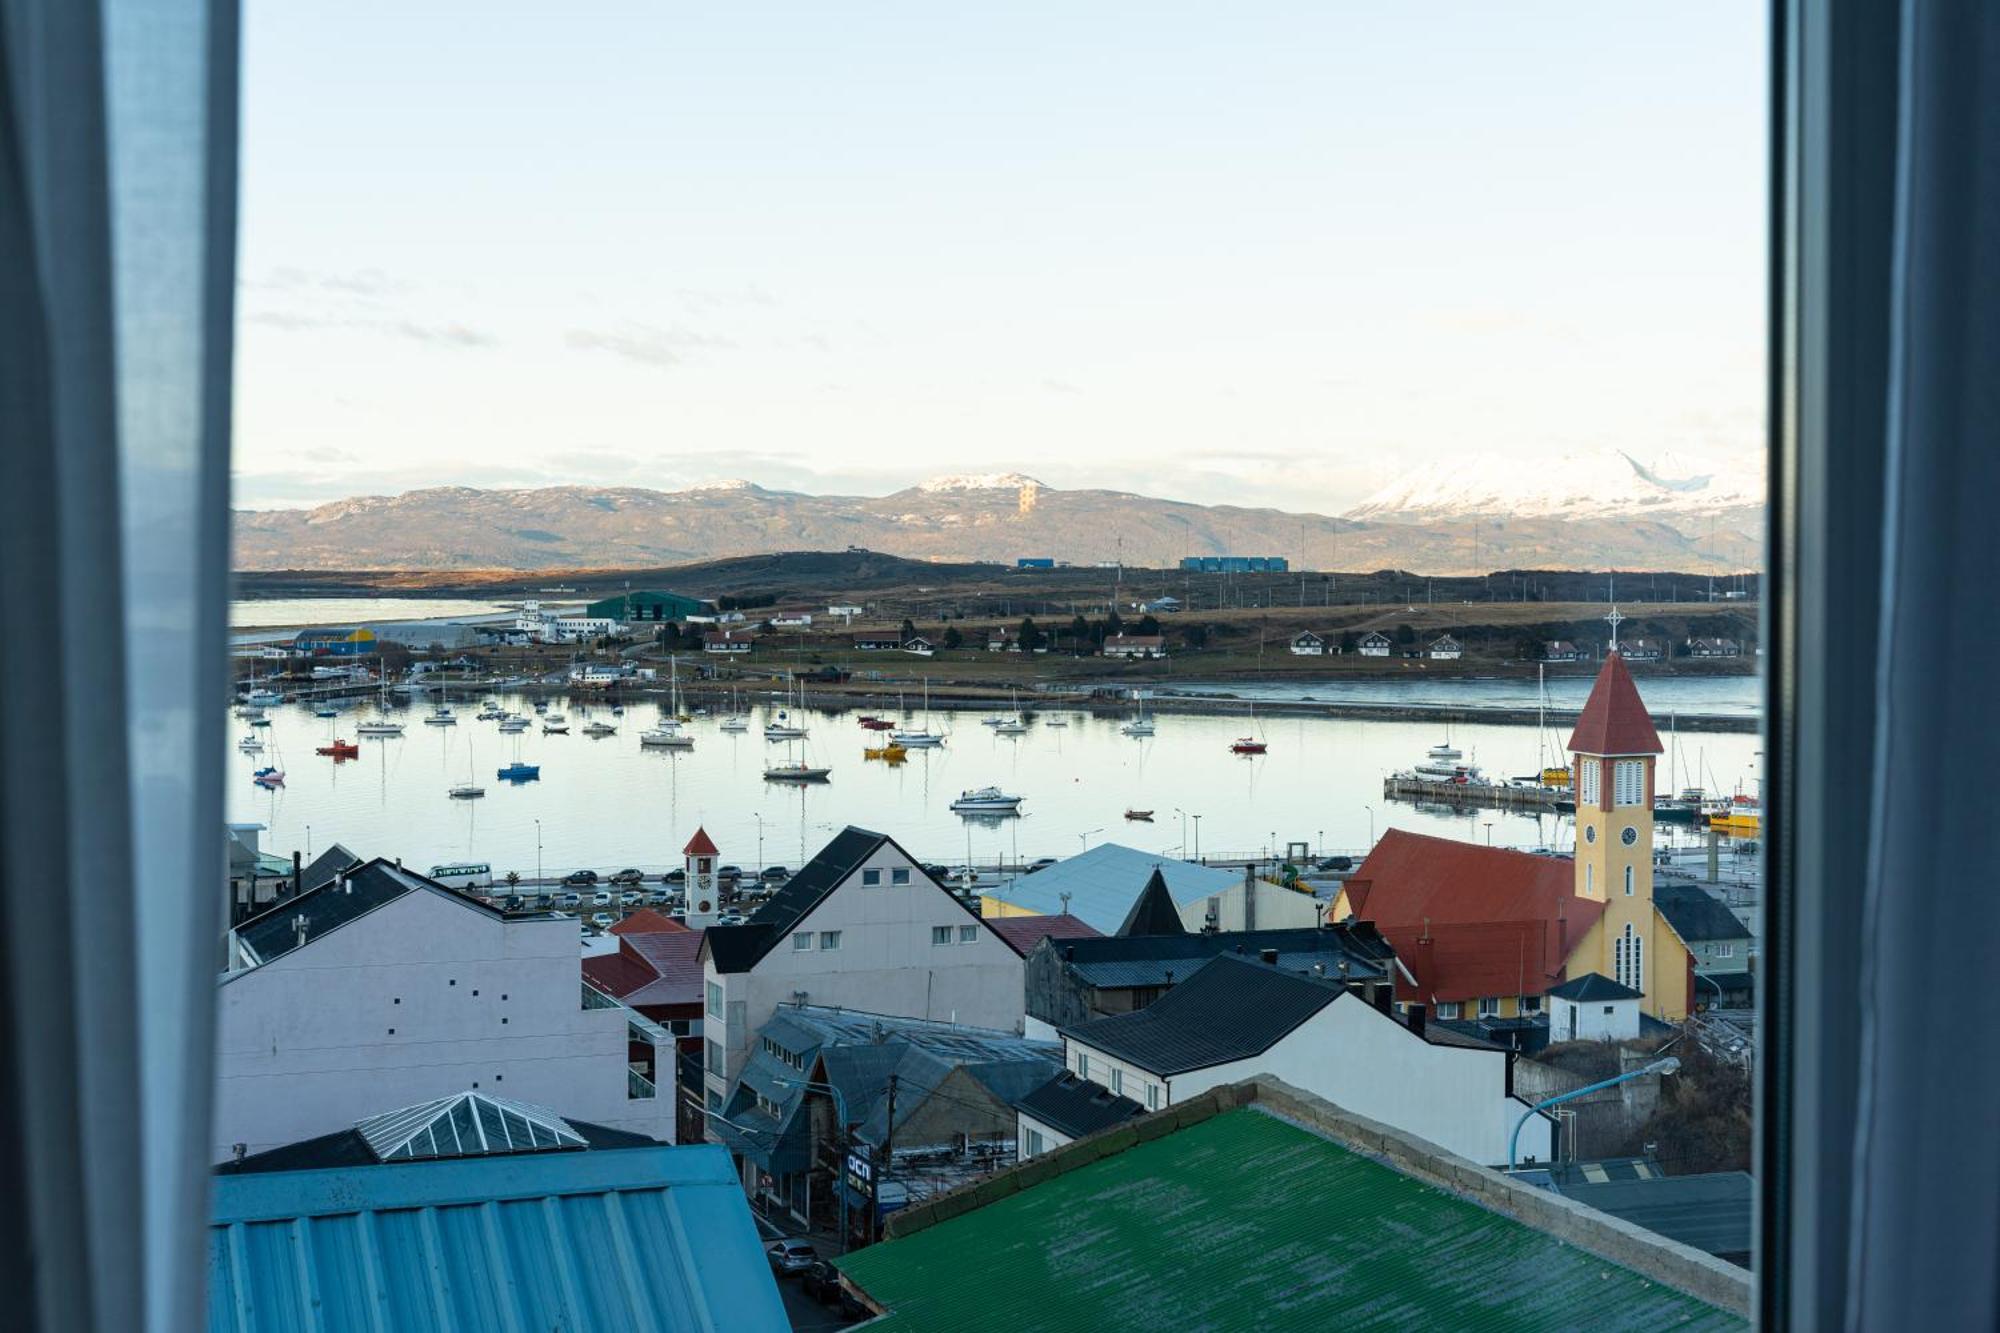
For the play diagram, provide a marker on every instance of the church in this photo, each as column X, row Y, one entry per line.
column 1486, row 932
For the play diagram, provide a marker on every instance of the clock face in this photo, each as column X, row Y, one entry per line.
column 1630, row 835
column 1590, row 833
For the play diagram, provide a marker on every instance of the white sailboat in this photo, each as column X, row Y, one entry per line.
column 784, row 729
column 1013, row 725
column 920, row 738
column 381, row 728
column 1141, row 725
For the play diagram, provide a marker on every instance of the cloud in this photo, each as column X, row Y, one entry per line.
column 449, row 334
column 646, row 344
column 1060, row 386
column 366, row 282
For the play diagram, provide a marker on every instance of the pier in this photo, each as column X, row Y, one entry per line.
column 1485, row 795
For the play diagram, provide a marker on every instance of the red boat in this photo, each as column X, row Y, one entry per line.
column 341, row 750
column 878, row 724
column 1247, row 745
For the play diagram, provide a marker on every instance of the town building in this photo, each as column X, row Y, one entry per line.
column 1262, row 1205
column 1103, row 886
column 646, row 607
column 1023, row 933
column 919, row 645
column 1375, row 644
column 1134, row 645
column 1488, row 932
column 846, row 610
column 1235, row 564
column 1068, row 1108
column 1235, row 1018
column 381, row 986
column 730, row 642
column 1709, row 1211
column 861, row 925
column 1713, row 647
column 1002, row 640
column 1444, row 648
column 477, row 1212
column 878, row 641
column 355, row 642
column 1722, row 946
column 1640, row 650
column 1593, row 1007
column 791, row 620
column 1563, row 650
column 571, row 628
column 922, row 1105
column 1308, row 644
column 1075, row 980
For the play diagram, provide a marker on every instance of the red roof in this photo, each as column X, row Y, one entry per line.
column 646, row 921
column 652, row 968
column 1470, row 921
column 699, row 845
column 1023, row 933
column 1614, row 719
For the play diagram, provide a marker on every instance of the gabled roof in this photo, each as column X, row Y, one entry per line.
column 1694, row 912
column 467, row 1124
column 1594, row 987
column 1155, row 912
column 347, row 1148
column 1105, row 881
column 1023, row 933
column 700, row 844
column 646, row 921
column 1229, row 1009
column 1469, row 921
column 276, row 931
column 326, row 865
column 655, row 1238
column 1614, row 719
column 740, row 948
column 1069, row 1105
column 651, row 968
column 1123, row 962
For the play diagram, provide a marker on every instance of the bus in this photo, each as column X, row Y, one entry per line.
column 464, row 875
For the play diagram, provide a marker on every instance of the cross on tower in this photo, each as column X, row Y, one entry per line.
column 1615, row 619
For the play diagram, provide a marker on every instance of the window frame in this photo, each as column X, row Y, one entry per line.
column 802, row 941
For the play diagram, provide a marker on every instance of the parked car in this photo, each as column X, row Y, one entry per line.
column 630, row 898
column 674, row 877
column 729, row 872
column 628, row 876
column 790, row 1256
column 656, row 896
column 571, row 900
column 938, row 872
column 602, row 898
column 822, row 1282
column 512, row 904
column 580, row 877
column 1337, row 863
column 731, row 919
column 773, row 874
column 1041, row 863
column 602, row 919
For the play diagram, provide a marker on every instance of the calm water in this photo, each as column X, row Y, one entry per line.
column 305, row 612
column 606, row 803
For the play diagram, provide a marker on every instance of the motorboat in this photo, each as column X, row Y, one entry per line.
column 263, row 697
column 383, row 729
column 600, row 729
column 1248, row 745
column 271, row 776
column 514, row 723
column 666, row 736
column 250, row 745
column 986, row 801
column 800, row 772
column 326, row 710
column 555, row 725
column 1056, row 722
column 260, row 721
column 340, row 749
column 1140, row 816
column 520, row 772
column 878, row 724
column 1138, row 726
column 891, row 752
column 466, row 791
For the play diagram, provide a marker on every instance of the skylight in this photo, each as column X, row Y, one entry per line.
column 467, row 1125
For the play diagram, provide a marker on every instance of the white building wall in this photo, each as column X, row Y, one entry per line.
column 886, row 964
column 1277, row 908
column 305, row 1048
column 1035, row 1137
column 1593, row 1020
column 1363, row 1061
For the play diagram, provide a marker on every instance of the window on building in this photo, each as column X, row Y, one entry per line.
column 900, row 876
column 940, row 934
column 714, row 999
column 828, row 940
column 1082, row 1065
column 1152, row 1096
column 1587, row 783
column 1725, row 951
column 714, row 1056
column 1589, row 879
column 1531, row 1004
column 1117, row 1081
column 802, row 941
column 870, row 878
column 1031, row 1141
column 1628, row 778
column 1449, row 1009
column 1628, row 881
column 1489, row 1006
column 968, row 934
column 1628, row 959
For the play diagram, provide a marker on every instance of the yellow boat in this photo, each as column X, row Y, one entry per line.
column 1555, row 777
column 1743, row 817
column 892, row 753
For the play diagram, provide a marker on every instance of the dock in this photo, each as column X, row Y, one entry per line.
column 1483, row 795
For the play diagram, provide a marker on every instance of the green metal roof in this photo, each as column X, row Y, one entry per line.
column 1246, row 1221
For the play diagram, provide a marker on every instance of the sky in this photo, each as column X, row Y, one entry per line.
column 1262, row 253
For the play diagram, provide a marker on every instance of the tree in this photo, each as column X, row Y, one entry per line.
column 513, row 878
column 1079, row 633
column 952, row 639
column 909, row 630
column 1147, row 625
column 1348, row 641
column 1031, row 638
column 1195, row 636
column 1529, row 649
column 1112, row 623
column 1404, row 634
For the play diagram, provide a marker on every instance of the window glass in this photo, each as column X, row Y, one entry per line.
column 829, row 939
column 714, row 1000
column 1117, row 1081
column 899, row 876
column 968, row 934
column 870, row 878
column 802, row 941
column 940, row 934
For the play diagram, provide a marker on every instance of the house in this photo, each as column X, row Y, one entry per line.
column 647, row 607
column 1071, row 981
column 1165, row 606
column 1375, row 644
column 1023, row 933
column 1721, row 944
column 1134, row 645
column 1308, row 644
column 951, row 1089
column 1235, row 1018
column 475, row 1212
column 1444, row 648
column 1103, row 885
column 1002, row 640
column 860, row 925
column 731, row 641
column 878, row 641
column 791, row 620
column 597, row 675
column 1593, row 1008
column 1066, row 1109
column 1488, row 932
column 1261, row 1205
column 1714, row 648
column 1641, row 650
column 382, row 986
column 845, row 610
column 584, row 627
column 1562, row 650
column 919, row 645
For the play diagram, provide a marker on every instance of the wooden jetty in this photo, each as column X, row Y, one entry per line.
column 1487, row 795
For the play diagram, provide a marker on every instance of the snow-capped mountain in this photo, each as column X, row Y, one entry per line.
column 987, row 481
column 1599, row 484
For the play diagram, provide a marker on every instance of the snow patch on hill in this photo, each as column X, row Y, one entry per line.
column 985, row 481
column 1600, row 483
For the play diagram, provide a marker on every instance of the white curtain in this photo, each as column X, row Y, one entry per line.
column 117, row 244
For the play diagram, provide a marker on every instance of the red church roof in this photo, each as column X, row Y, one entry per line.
column 699, row 845
column 1614, row 719
column 1470, row 921
column 646, row 921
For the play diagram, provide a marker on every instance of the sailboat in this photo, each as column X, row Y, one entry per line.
column 735, row 721
column 381, row 727
column 555, row 724
column 784, row 729
column 1014, row 725
column 467, row 790
column 1141, row 725
column 597, row 728
column 250, row 744
column 667, row 733
column 441, row 716
column 1249, row 744
column 922, row 737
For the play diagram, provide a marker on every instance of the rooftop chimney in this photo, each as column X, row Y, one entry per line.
column 1319, row 969
column 1385, row 996
column 1417, row 1019
column 1268, row 955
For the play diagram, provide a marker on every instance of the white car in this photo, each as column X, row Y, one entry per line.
column 602, row 898
column 602, row 919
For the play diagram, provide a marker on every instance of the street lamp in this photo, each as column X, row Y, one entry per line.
column 1183, row 814
column 1197, row 837
column 758, row 815
column 1489, row 833
column 1084, row 839
column 538, row 851
column 1371, row 826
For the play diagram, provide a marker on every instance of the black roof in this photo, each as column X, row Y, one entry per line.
column 740, row 948
column 1074, row 1107
column 275, row 931
column 1228, row 1009
column 348, row 1147
column 1594, row 986
column 1154, row 912
column 326, row 866
column 1710, row 1212
column 1695, row 913
column 1125, row 961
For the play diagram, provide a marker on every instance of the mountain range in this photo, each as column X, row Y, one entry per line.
column 1591, row 511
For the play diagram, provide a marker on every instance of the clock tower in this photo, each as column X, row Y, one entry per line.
column 1613, row 751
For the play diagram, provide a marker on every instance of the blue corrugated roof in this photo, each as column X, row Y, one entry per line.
column 1105, row 881
column 642, row 1239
